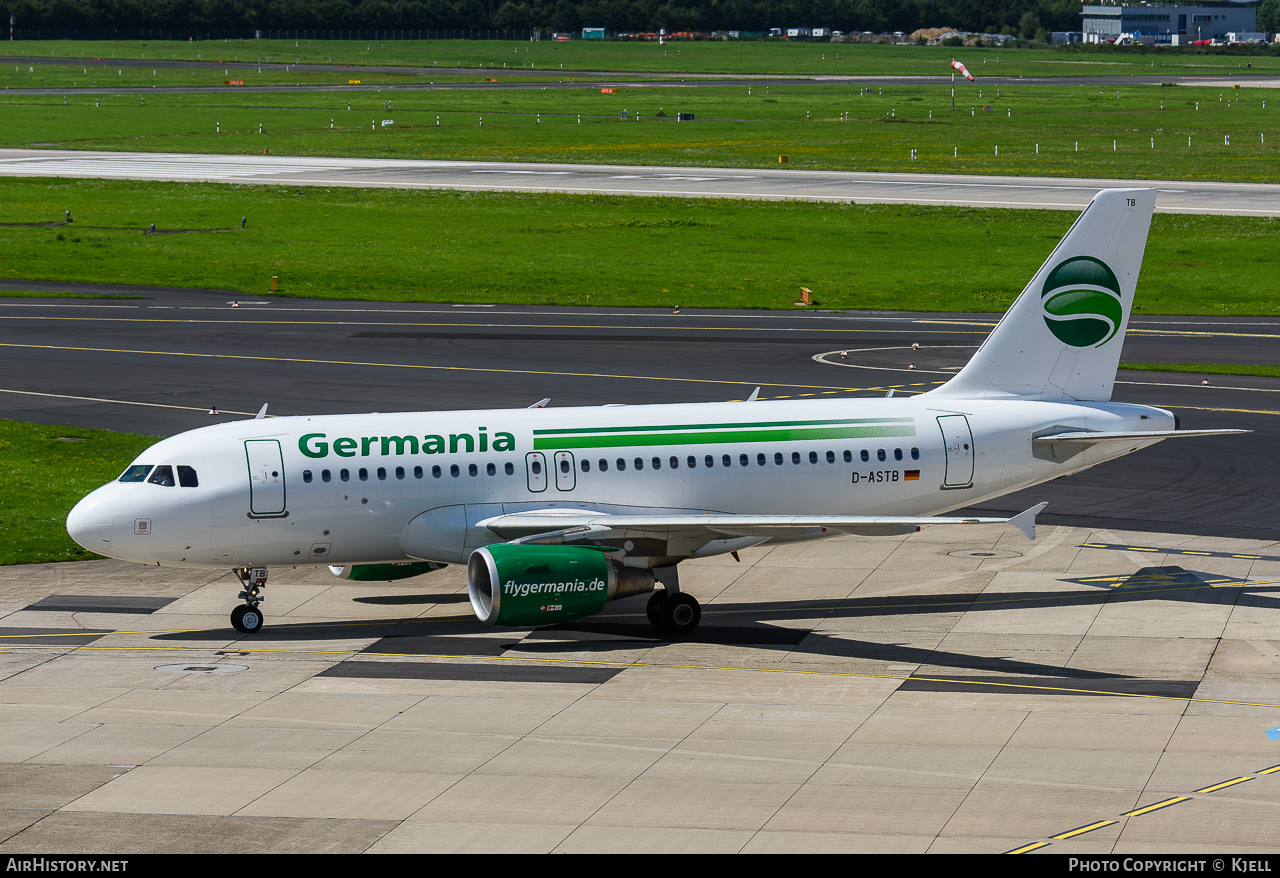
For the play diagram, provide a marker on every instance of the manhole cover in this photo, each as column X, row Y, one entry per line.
column 984, row 553
column 218, row 668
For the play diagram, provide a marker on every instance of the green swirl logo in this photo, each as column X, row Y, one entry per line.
column 1081, row 300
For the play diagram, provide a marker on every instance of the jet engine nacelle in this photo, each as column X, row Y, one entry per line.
column 514, row 586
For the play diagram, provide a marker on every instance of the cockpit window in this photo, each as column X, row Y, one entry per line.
column 136, row 473
column 187, row 477
column 163, row 475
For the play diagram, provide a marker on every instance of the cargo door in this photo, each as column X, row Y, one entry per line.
column 957, row 440
column 266, row 477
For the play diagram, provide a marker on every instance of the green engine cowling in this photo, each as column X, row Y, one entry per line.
column 513, row 586
column 385, row 572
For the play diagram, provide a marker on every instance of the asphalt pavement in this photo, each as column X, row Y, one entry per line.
column 158, row 365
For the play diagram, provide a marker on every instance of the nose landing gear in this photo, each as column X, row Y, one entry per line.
column 247, row 619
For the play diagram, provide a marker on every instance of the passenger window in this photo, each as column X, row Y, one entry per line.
column 760, row 459
column 691, row 462
column 813, row 457
column 490, row 469
column 345, row 475
column 915, row 453
column 435, row 472
column 848, row 456
column 743, row 460
column 417, row 472
column 382, row 473
column 509, row 468
column 162, row 475
column 657, row 463
column 585, row 465
column 535, row 466
column 564, row 466
column 399, row 472
column 880, row 454
column 306, row 476
column 727, row 460
column 897, row 454
column 709, row 461
column 473, row 470
column 622, row 464
column 364, row 474
column 865, row 456
column 639, row 462
column 136, row 473
column 187, row 477
column 777, row 458
column 604, row 465
column 674, row 461
column 325, row 475
column 831, row 457
column 454, row 471
column 795, row 457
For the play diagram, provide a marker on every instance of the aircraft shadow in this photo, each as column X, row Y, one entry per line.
column 622, row 627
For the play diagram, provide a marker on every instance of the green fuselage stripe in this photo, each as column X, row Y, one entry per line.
column 751, row 424
column 791, row 434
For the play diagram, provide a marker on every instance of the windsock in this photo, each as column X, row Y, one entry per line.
column 964, row 71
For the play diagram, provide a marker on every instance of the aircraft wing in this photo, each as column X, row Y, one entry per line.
column 1086, row 437
column 555, row 526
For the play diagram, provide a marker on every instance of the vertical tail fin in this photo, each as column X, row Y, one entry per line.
column 1061, row 339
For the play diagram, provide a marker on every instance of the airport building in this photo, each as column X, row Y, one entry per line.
column 1168, row 24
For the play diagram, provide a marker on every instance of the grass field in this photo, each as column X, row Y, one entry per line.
column 450, row 246
column 730, row 57
column 1128, row 131
column 1206, row 368
column 44, row 471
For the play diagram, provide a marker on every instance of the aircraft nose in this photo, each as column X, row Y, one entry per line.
column 89, row 524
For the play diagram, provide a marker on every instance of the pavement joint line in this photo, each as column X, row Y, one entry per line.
column 749, row 382
column 666, row 666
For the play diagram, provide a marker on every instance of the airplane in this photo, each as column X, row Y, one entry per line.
column 556, row 512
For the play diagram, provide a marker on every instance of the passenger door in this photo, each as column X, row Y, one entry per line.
column 957, row 440
column 266, row 477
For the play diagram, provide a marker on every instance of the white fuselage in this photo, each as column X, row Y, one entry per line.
column 343, row 489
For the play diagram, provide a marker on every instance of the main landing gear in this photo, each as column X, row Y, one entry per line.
column 247, row 618
column 673, row 612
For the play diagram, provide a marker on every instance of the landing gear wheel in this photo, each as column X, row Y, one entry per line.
column 246, row 619
column 679, row 615
column 654, row 608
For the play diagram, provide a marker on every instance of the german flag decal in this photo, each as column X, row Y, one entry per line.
column 912, row 475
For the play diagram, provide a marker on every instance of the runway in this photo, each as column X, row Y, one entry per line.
column 157, row 366
column 1055, row 193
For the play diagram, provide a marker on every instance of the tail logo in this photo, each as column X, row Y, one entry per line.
column 1081, row 300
